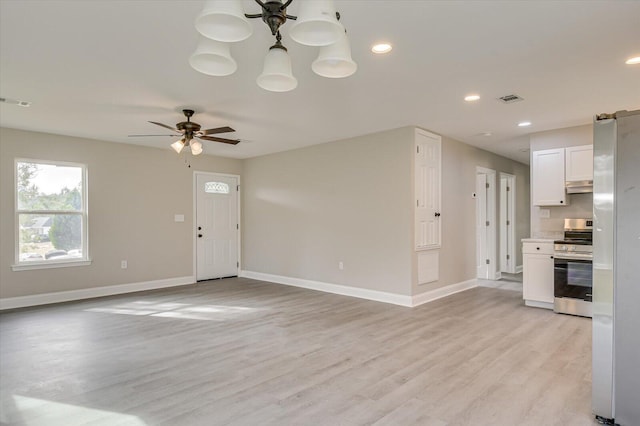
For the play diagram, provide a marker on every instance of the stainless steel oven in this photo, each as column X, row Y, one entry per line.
column 573, row 269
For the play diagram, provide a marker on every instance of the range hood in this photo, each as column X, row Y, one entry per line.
column 579, row 187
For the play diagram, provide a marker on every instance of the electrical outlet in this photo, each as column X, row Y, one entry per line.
column 341, row 265
column 123, row 264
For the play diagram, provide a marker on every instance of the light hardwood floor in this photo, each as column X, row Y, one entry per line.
column 245, row 352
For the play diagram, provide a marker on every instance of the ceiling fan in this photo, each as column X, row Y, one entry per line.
column 191, row 131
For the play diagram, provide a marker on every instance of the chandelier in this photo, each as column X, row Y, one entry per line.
column 223, row 22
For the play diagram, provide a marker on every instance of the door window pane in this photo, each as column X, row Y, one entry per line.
column 216, row 188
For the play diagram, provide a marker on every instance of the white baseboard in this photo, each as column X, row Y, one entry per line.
column 518, row 269
column 88, row 293
column 362, row 293
column 439, row 293
column 536, row 304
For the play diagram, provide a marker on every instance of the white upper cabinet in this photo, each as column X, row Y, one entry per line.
column 579, row 163
column 547, row 178
column 427, row 164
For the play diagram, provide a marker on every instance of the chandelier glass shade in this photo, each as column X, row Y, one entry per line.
column 222, row 22
column 213, row 58
column 334, row 60
column 317, row 24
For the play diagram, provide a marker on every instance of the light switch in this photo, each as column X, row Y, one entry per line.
column 178, row 218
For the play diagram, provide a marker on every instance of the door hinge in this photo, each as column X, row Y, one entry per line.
column 487, row 185
column 487, row 261
column 508, row 257
column 508, row 189
column 487, row 223
column 418, row 149
column 508, row 223
column 417, row 203
column 237, row 226
column 238, row 264
column 237, row 187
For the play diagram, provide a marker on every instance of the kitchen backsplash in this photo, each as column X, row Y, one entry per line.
column 580, row 206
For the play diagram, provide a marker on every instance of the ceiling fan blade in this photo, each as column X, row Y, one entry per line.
column 139, row 136
column 223, row 140
column 164, row 125
column 217, row 130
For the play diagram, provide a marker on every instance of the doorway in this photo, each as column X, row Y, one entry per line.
column 486, row 224
column 217, row 225
column 507, row 223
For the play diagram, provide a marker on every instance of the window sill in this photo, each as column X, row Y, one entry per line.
column 49, row 265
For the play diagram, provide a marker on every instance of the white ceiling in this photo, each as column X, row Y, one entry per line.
column 103, row 69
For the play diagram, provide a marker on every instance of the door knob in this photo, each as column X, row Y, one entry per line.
column 437, row 214
column 199, row 235
column 199, row 228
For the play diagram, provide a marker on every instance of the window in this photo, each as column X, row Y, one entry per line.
column 51, row 214
column 216, row 188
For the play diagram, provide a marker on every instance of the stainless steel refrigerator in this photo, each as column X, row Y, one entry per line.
column 616, row 268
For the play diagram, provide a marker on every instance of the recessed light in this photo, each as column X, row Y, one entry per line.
column 524, row 123
column 471, row 98
column 633, row 61
column 381, row 48
column 487, row 134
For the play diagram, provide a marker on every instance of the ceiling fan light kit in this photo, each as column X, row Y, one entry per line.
column 196, row 147
column 224, row 21
column 178, row 145
column 191, row 133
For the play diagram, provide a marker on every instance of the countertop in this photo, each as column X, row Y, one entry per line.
column 538, row 240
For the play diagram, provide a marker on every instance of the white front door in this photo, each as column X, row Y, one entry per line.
column 217, row 226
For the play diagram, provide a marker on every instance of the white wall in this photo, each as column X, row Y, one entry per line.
column 133, row 195
column 308, row 209
column 580, row 205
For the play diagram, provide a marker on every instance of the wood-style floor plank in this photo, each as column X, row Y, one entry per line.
column 245, row 352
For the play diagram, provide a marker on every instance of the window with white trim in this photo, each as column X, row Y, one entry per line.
column 51, row 214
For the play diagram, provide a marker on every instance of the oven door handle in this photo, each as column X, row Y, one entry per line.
column 572, row 257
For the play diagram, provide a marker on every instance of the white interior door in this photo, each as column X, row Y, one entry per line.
column 481, row 228
column 486, row 229
column 507, row 223
column 217, row 226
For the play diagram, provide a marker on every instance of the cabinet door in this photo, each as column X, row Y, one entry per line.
column 427, row 190
column 579, row 163
column 547, row 177
column 537, row 277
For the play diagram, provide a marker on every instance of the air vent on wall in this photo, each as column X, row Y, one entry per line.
column 509, row 99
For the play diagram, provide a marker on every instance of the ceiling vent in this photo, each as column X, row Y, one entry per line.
column 509, row 99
